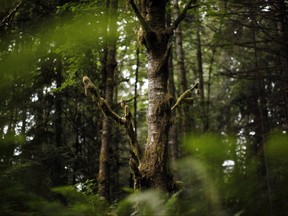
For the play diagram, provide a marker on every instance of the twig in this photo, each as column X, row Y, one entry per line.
column 6, row 20
column 129, row 100
column 182, row 15
column 185, row 95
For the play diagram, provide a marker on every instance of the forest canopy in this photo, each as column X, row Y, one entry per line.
column 151, row 107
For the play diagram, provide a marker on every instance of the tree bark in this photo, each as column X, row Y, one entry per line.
column 58, row 172
column 136, row 88
column 174, row 138
column 109, row 69
column 153, row 168
column 185, row 122
column 200, row 73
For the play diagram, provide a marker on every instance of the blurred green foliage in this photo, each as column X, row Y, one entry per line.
column 212, row 180
column 17, row 198
column 207, row 184
column 218, row 174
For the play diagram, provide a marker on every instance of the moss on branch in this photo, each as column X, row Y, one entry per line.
column 126, row 120
column 185, row 96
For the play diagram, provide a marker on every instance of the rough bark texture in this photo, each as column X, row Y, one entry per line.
column 154, row 169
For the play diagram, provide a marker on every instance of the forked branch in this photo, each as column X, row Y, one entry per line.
column 182, row 15
column 146, row 27
column 126, row 120
column 90, row 88
column 165, row 57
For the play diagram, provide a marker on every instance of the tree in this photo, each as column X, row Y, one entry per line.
column 109, row 65
column 151, row 169
column 181, row 69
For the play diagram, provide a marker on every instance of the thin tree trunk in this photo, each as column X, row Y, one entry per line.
column 103, row 176
column 179, row 50
column 174, row 142
column 185, row 121
column 58, row 174
column 262, row 129
column 77, row 144
column 283, row 35
column 135, row 88
column 174, row 139
column 58, row 105
column 212, row 60
column 200, row 73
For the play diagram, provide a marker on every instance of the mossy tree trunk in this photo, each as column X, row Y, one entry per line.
column 154, row 169
column 154, row 164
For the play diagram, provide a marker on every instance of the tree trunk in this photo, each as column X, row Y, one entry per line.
column 153, row 167
column 136, row 87
column 200, row 73
column 262, row 129
column 58, row 172
column 185, row 121
column 103, row 176
column 174, row 139
column 154, row 164
column 283, row 53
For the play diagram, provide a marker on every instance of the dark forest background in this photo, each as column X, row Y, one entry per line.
column 228, row 144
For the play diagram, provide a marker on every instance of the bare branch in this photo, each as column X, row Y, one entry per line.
column 184, row 96
column 129, row 100
column 182, row 15
column 7, row 20
column 146, row 27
